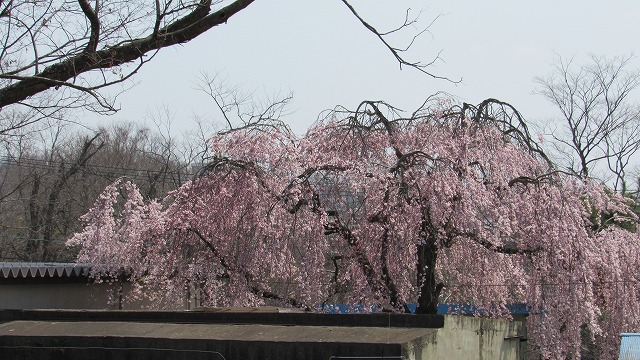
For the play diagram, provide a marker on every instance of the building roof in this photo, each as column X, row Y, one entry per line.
column 224, row 332
column 24, row 270
column 34, row 334
column 629, row 346
column 394, row 320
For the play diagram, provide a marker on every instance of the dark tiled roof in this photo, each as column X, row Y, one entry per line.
column 23, row 270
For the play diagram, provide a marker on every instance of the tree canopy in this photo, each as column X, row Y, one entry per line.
column 452, row 203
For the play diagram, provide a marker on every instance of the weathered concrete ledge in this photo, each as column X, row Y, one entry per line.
column 259, row 334
column 257, row 317
column 107, row 335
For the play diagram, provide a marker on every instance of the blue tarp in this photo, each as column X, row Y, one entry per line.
column 464, row 309
column 468, row 309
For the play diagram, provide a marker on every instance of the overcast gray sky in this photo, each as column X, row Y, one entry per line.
column 318, row 50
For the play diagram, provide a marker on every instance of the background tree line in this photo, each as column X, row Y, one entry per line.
column 49, row 178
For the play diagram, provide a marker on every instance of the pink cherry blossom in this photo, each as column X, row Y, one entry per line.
column 366, row 208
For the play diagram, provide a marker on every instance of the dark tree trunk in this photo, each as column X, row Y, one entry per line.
column 429, row 289
column 31, row 251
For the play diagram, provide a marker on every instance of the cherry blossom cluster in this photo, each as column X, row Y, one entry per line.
column 369, row 208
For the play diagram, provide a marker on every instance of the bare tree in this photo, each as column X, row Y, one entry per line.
column 59, row 54
column 598, row 130
column 44, row 224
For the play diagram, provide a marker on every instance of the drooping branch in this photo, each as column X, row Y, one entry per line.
column 368, row 117
column 214, row 251
column 508, row 249
column 374, row 280
column 303, row 179
column 395, row 300
column 255, row 289
column 509, row 120
column 222, row 163
column 265, row 294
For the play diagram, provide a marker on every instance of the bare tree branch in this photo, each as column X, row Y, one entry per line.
column 396, row 52
column 90, row 13
column 180, row 31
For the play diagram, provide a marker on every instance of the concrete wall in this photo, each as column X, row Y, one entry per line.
column 471, row 338
column 55, row 296
column 68, row 296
